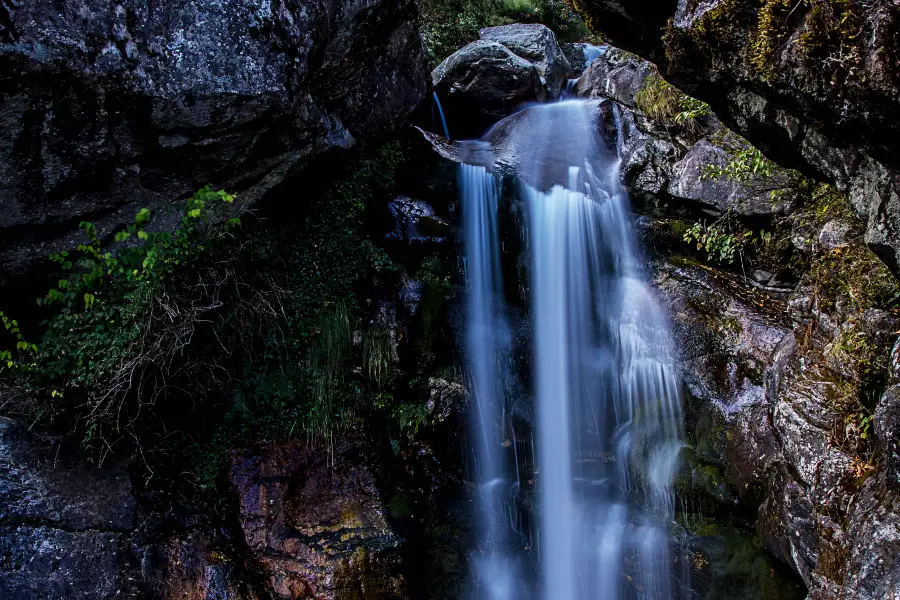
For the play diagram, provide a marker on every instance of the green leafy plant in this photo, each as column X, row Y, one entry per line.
column 718, row 240
column 743, row 165
column 101, row 312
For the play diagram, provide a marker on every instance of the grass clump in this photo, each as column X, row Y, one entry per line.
column 662, row 102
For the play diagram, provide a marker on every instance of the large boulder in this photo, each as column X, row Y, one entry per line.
column 483, row 83
column 717, row 194
column 489, row 79
column 614, row 74
column 111, row 106
column 537, row 44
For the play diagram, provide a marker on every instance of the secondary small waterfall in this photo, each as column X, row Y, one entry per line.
column 608, row 414
column 486, row 343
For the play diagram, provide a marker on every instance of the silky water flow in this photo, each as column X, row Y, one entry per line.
column 607, row 415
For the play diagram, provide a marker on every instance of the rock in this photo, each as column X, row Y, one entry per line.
column 482, row 83
column 887, row 430
column 815, row 99
column 874, row 545
column 445, row 398
column 647, row 158
column 614, row 74
column 716, row 194
column 315, row 521
column 63, row 526
column 110, row 107
column 836, row 234
column 537, row 44
column 187, row 566
column 580, row 55
column 416, row 222
column 762, row 276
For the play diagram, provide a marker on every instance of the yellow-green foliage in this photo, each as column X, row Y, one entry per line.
column 764, row 41
column 830, row 23
column 852, row 277
column 666, row 104
column 658, row 99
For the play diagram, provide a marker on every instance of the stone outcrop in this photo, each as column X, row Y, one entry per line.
column 315, row 521
column 63, row 526
column 113, row 106
column 490, row 78
column 813, row 85
column 536, row 44
column 765, row 418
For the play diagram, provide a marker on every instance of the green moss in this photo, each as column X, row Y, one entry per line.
column 658, row 99
column 765, row 39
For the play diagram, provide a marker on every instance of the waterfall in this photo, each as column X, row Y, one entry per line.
column 485, row 347
column 437, row 103
column 608, row 412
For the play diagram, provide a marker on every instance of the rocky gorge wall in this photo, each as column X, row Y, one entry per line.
column 114, row 106
column 790, row 478
column 814, row 85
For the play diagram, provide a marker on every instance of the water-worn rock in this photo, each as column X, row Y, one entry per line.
column 111, row 106
column 63, row 525
column 836, row 233
column 815, row 86
column 537, row 44
column 482, row 83
column 887, row 429
column 315, row 521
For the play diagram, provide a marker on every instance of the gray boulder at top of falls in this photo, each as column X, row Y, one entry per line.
column 614, row 74
column 490, row 78
column 536, row 44
column 107, row 107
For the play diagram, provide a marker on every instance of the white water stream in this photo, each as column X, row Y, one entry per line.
column 608, row 416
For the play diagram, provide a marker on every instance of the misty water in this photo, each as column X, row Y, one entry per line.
column 607, row 414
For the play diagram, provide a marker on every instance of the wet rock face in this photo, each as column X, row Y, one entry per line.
column 482, row 83
column 718, row 194
column 315, row 522
column 616, row 75
column 113, row 106
column 63, row 528
column 804, row 88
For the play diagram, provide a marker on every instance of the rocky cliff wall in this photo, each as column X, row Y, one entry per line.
column 815, row 85
column 107, row 107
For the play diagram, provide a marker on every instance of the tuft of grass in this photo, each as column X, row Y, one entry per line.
column 658, row 100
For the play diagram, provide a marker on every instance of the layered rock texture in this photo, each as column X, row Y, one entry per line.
column 110, row 107
column 812, row 84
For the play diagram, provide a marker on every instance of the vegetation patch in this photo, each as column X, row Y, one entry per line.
column 662, row 102
column 448, row 25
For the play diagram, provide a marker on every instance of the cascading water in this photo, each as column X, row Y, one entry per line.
column 485, row 346
column 608, row 416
